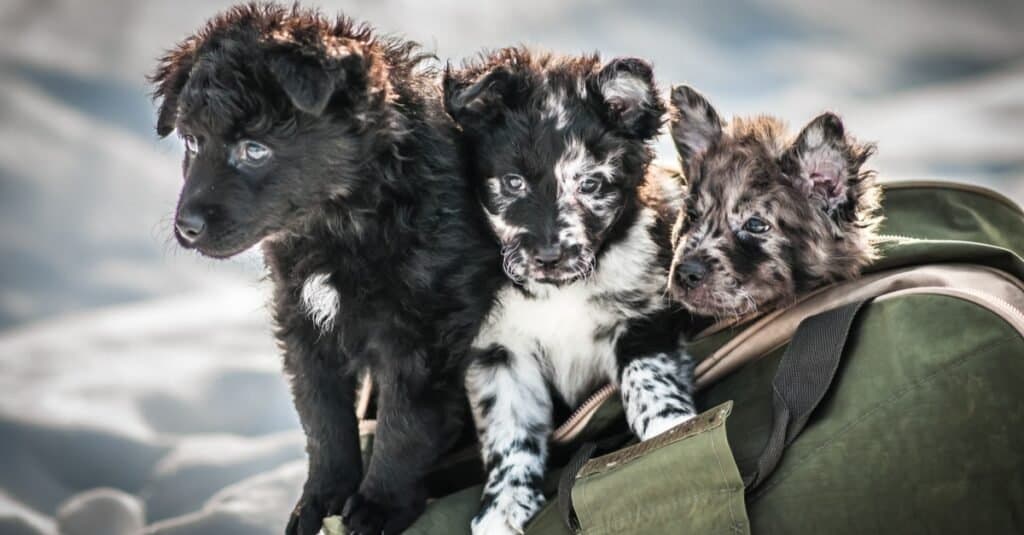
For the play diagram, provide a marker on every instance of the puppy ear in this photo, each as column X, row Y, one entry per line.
column 474, row 104
column 695, row 124
column 628, row 97
column 305, row 79
column 824, row 163
column 171, row 75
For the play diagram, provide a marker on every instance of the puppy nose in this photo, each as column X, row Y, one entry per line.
column 190, row 225
column 548, row 255
column 691, row 273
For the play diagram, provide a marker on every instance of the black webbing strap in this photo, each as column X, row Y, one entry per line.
column 801, row 381
column 587, row 451
column 565, row 482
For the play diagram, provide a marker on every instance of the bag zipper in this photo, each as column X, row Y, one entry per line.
column 980, row 298
column 899, row 238
column 970, row 188
column 997, row 301
column 582, row 414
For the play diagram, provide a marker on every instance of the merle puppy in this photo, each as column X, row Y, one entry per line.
column 330, row 146
column 767, row 217
column 558, row 148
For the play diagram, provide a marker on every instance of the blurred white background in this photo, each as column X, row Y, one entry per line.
column 128, row 364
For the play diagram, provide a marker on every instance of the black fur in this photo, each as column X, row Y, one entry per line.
column 363, row 188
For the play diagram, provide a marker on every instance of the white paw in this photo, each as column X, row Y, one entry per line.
column 511, row 511
column 492, row 523
column 661, row 425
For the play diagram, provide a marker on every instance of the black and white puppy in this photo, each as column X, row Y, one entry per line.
column 331, row 146
column 559, row 149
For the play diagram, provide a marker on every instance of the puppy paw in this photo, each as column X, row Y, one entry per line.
column 509, row 513
column 493, row 522
column 308, row 516
column 365, row 516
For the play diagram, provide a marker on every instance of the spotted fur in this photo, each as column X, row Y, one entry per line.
column 657, row 393
column 767, row 217
column 559, row 148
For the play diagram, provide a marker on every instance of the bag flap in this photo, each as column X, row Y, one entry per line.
column 683, row 481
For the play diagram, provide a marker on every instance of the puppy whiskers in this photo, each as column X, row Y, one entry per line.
column 510, row 253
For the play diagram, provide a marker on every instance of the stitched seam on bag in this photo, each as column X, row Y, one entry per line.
column 580, row 513
column 725, row 477
column 694, row 427
column 903, row 392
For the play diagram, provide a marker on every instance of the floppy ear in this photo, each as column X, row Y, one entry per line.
column 628, row 97
column 474, row 104
column 306, row 80
column 170, row 77
column 824, row 163
column 695, row 124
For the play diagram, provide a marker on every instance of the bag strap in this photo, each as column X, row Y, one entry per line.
column 567, row 479
column 801, row 381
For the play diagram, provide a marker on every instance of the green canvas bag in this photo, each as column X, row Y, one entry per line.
column 893, row 403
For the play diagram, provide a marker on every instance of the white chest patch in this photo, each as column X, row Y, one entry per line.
column 571, row 331
column 320, row 300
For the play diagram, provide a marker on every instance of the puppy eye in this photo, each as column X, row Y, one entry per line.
column 513, row 182
column 191, row 143
column 253, row 153
column 756, row 225
column 589, row 185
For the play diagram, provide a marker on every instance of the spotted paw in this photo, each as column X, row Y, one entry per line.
column 493, row 522
column 509, row 513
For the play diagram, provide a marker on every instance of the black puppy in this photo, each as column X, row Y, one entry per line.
column 330, row 145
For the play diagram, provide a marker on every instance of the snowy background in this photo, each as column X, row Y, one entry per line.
column 139, row 384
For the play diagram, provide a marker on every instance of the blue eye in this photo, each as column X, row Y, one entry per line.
column 589, row 185
column 191, row 143
column 513, row 182
column 253, row 153
column 756, row 225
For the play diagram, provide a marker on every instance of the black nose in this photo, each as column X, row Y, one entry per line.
column 691, row 273
column 548, row 255
column 190, row 225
